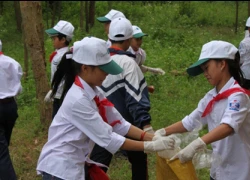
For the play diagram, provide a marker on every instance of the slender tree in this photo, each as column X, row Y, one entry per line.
column 81, row 15
column 248, row 8
column 236, row 17
column 91, row 13
column 18, row 16
column 86, row 16
column 31, row 12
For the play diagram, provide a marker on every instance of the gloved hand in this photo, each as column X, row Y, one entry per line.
column 188, row 152
column 47, row 97
column 160, row 132
column 156, row 70
column 159, row 144
column 149, row 130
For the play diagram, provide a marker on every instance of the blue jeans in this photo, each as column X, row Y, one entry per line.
column 47, row 176
column 8, row 117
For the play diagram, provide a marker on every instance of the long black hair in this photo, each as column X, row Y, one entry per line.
column 66, row 71
column 234, row 68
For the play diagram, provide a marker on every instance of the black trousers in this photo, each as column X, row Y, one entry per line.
column 8, row 117
column 138, row 160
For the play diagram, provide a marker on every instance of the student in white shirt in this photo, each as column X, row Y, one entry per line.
column 61, row 35
column 10, row 86
column 244, row 49
column 87, row 117
column 106, row 20
column 225, row 109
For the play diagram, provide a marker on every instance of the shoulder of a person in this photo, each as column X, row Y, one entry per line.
column 9, row 59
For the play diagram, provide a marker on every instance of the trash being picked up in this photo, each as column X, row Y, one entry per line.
column 205, row 158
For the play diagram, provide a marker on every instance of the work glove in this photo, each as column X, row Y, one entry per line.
column 160, row 132
column 159, row 144
column 47, row 97
column 189, row 151
column 149, row 130
column 156, row 70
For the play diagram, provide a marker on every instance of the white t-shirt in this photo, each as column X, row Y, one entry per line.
column 234, row 149
column 140, row 55
column 244, row 50
column 76, row 125
column 10, row 77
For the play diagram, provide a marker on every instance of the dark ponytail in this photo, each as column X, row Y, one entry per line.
column 235, row 70
column 66, row 71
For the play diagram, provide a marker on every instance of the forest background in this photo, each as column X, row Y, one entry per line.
column 177, row 30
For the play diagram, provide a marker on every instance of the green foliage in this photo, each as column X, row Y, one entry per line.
column 177, row 31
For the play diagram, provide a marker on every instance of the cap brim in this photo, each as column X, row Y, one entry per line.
column 195, row 69
column 138, row 35
column 103, row 19
column 111, row 68
column 51, row 32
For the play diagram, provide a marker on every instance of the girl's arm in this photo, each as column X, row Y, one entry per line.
column 218, row 133
column 175, row 128
column 136, row 133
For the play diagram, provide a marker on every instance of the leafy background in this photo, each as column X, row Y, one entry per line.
column 177, row 30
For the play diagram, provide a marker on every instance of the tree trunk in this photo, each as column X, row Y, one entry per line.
column 18, row 16
column 248, row 8
column 47, row 14
column 109, row 5
column 81, row 15
column 33, row 29
column 236, row 17
column 86, row 17
column 1, row 7
column 53, row 17
column 58, row 7
column 91, row 13
column 26, row 58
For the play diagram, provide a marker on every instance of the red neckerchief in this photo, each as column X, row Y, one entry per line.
column 116, row 48
column 1, row 52
column 52, row 56
column 96, row 173
column 100, row 104
column 223, row 95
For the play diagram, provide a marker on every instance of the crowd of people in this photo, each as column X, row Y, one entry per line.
column 101, row 105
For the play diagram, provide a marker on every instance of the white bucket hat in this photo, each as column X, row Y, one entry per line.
column 213, row 50
column 112, row 14
column 120, row 29
column 93, row 51
column 63, row 27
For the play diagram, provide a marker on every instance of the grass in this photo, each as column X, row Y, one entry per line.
column 176, row 31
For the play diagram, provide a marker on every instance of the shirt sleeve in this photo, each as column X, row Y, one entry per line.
column 193, row 120
column 137, row 98
column 88, row 120
column 236, row 111
column 242, row 51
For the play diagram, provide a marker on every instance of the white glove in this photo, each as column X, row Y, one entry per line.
column 47, row 97
column 160, row 132
column 149, row 130
column 156, row 70
column 189, row 151
column 159, row 144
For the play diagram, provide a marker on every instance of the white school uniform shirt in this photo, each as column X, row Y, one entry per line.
column 235, row 148
column 140, row 55
column 10, row 77
column 244, row 50
column 108, row 43
column 76, row 124
column 54, row 63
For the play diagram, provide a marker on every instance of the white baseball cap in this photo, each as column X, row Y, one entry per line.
column 137, row 32
column 247, row 23
column 63, row 27
column 213, row 50
column 120, row 29
column 110, row 16
column 93, row 51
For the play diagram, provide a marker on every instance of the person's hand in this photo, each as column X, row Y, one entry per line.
column 156, row 70
column 149, row 129
column 47, row 97
column 160, row 132
column 159, row 144
column 189, row 151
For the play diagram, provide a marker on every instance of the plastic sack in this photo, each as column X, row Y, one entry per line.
column 205, row 158
column 174, row 170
